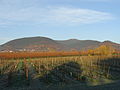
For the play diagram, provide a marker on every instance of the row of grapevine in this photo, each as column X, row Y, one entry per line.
column 56, row 70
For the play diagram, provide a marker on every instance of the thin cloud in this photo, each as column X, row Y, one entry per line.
column 56, row 15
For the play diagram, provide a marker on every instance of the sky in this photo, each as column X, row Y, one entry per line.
column 60, row 19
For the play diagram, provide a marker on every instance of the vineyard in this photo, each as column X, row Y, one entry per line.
column 58, row 71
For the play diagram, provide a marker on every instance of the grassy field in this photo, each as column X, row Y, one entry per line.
column 60, row 71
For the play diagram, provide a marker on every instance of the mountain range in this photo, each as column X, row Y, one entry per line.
column 47, row 44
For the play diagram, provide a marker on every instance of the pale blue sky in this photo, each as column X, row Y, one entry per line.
column 60, row 19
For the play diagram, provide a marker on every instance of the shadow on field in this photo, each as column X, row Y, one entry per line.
column 13, row 79
column 112, row 67
column 69, row 74
column 66, row 73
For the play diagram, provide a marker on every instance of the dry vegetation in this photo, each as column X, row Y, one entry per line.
column 39, row 69
column 100, row 51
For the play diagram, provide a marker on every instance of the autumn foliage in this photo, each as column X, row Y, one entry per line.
column 102, row 50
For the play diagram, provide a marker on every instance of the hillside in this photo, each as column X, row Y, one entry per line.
column 80, row 44
column 47, row 44
column 32, row 44
column 0, row 47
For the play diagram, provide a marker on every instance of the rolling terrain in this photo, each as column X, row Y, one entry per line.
column 47, row 44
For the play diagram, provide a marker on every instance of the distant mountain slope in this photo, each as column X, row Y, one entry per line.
column 0, row 47
column 113, row 44
column 80, row 44
column 47, row 44
column 32, row 43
